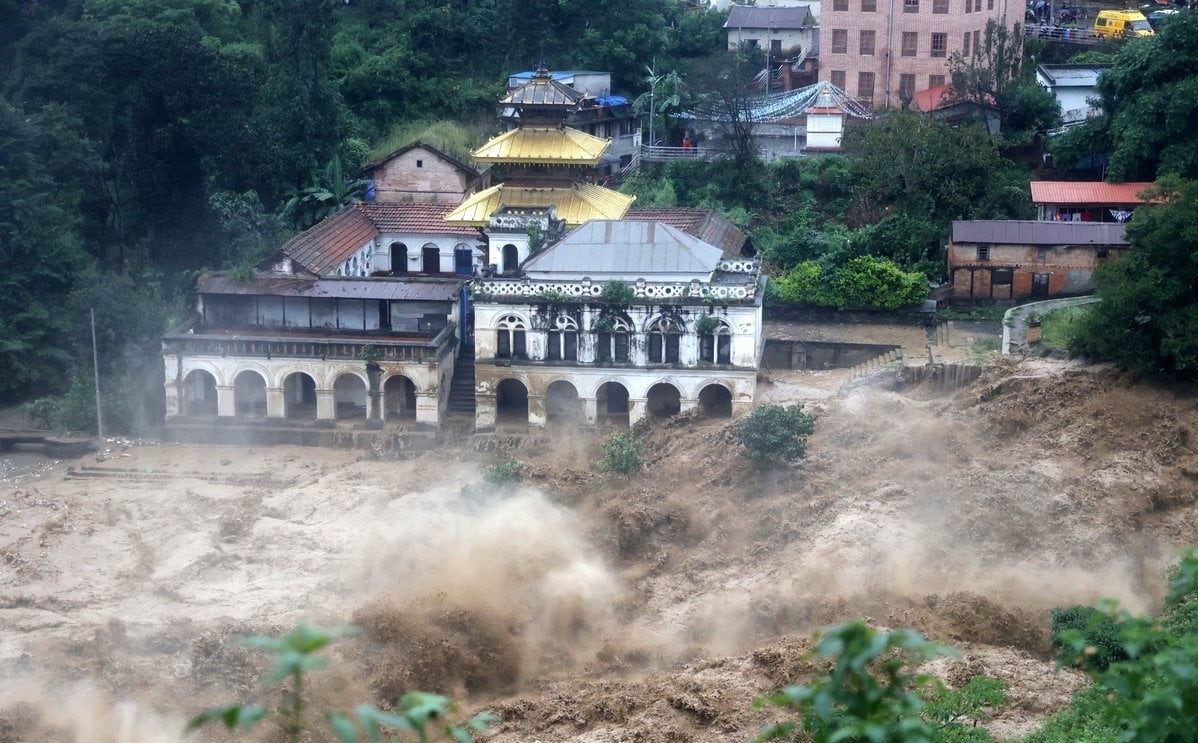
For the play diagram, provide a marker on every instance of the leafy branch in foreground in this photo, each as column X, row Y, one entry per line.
column 871, row 693
column 417, row 713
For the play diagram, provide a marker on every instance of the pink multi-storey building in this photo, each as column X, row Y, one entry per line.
column 882, row 51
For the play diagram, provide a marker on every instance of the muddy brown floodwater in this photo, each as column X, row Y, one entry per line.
column 589, row 608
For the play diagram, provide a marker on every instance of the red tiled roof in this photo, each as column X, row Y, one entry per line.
column 709, row 226
column 1087, row 192
column 422, row 218
column 934, row 99
column 331, row 241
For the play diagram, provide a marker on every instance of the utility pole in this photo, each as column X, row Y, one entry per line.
column 96, row 372
column 653, row 79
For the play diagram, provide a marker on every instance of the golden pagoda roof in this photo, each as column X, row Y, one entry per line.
column 543, row 146
column 581, row 203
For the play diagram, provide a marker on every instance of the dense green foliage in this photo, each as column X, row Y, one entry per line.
column 1098, row 630
column 417, row 716
column 775, row 433
column 507, row 472
column 1148, row 318
column 862, row 282
column 623, row 453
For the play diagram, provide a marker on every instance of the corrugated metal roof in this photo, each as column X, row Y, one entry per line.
column 581, row 203
column 633, row 247
column 1016, row 232
column 1072, row 75
column 1087, row 192
column 744, row 16
column 419, row 290
column 706, row 224
column 543, row 145
column 328, row 243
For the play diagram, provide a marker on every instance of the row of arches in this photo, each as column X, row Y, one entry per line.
column 430, row 259
column 250, row 397
column 663, row 324
column 662, row 335
column 563, row 404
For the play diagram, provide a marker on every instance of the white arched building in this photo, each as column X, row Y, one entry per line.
column 620, row 319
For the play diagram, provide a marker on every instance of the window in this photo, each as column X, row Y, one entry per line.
column 509, row 338
column 910, row 43
column 906, row 86
column 420, row 163
column 983, row 252
column 840, row 41
column 1001, row 276
column 968, row 6
column 716, row 346
column 935, row 81
column 940, row 7
column 775, row 47
column 865, row 86
column 977, row 41
column 1042, row 255
column 838, row 78
column 965, row 43
column 664, row 335
column 910, row 6
column 613, row 340
column 867, row 43
column 939, row 45
column 869, row 6
column 840, row 4
column 989, row 4
column 563, row 339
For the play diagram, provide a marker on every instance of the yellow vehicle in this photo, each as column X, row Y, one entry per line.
column 1116, row 24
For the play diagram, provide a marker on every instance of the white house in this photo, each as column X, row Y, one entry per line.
column 619, row 319
column 1074, row 86
column 789, row 31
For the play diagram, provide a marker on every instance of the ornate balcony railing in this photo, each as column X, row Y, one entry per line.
column 190, row 342
column 587, row 290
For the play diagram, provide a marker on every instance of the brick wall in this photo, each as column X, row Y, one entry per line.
column 888, row 22
column 1009, row 271
column 420, row 175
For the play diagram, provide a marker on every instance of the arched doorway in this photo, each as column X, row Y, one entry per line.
column 249, row 395
column 299, row 396
column 664, row 400
column 511, row 402
column 399, row 258
column 349, row 397
column 399, row 399
column 199, row 393
column 430, row 259
column 511, row 258
column 562, row 404
column 611, row 403
column 716, row 401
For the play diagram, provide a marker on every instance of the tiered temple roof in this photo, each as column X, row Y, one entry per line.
column 576, row 205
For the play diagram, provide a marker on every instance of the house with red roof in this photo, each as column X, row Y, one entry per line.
column 1087, row 201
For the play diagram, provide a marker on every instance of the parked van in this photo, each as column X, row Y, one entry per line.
column 1116, row 24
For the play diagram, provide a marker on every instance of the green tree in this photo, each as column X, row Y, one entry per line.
column 921, row 166
column 623, row 453
column 1148, row 317
column 994, row 72
column 775, row 433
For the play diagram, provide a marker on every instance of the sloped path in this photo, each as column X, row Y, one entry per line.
column 1014, row 320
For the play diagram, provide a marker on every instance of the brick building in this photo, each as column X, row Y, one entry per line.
column 1009, row 259
column 882, row 51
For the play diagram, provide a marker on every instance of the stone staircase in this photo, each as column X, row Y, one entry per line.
column 865, row 367
column 461, row 391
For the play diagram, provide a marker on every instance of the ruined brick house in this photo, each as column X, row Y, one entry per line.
column 1006, row 259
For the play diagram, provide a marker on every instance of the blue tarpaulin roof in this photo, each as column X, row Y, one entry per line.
column 611, row 100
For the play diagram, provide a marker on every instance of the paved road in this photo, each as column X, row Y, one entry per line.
column 1014, row 320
